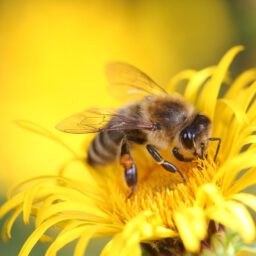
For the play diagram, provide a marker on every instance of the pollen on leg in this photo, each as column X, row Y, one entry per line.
column 126, row 161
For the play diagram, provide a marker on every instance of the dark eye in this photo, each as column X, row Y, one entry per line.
column 187, row 139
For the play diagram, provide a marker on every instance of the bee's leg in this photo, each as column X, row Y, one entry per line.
column 179, row 156
column 130, row 170
column 165, row 164
column 218, row 147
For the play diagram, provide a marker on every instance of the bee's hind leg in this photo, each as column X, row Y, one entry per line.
column 165, row 164
column 130, row 170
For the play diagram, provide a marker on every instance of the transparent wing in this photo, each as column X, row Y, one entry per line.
column 126, row 80
column 96, row 120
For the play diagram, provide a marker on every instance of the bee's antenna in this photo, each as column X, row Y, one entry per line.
column 218, row 147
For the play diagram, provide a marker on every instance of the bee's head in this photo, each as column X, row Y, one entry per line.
column 194, row 137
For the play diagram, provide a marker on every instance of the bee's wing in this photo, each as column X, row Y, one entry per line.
column 97, row 120
column 129, row 80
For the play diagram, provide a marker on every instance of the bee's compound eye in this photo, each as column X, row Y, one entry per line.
column 187, row 139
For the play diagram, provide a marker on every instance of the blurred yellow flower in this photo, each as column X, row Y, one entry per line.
column 163, row 213
column 53, row 52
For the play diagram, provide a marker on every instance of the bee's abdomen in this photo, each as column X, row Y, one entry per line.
column 104, row 147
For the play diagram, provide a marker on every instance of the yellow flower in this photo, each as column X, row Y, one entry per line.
column 164, row 212
column 54, row 51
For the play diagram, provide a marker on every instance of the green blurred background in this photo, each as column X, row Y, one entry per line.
column 52, row 57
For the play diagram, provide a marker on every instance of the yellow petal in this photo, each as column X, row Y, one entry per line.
column 29, row 199
column 210, row 92
column 184, row 75
column 84, row 240
column 196, row 82
column 246, row 180
column 236, row 110
column 235, row 216
column 208, row 194
column 38, row 129
column 66, row 237
column 91, row 213
column 241, row 81
column 192, row 225
column 247, row 199
column 229, row 170
column 7, row 227
column 39, row 232
column 145, row 226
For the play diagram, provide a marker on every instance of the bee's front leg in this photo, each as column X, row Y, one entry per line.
column 130, row 170
column 165, row 164
column 179, row 156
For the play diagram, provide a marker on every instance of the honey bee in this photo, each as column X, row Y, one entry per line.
column 157, row 121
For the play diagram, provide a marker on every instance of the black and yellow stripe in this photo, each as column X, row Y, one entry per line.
column 104, row 147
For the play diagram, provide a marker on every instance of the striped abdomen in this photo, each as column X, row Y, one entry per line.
column 104, row 147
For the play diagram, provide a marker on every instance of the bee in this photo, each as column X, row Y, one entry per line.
column 157, row 120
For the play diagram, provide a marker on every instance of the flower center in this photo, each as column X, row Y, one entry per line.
column 160, row 192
